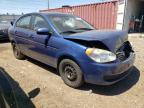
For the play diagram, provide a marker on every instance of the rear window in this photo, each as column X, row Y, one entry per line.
column 24, row 22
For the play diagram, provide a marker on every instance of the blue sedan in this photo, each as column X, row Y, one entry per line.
column 78, row 51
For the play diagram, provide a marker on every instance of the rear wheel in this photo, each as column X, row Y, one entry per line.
column 71, row 73
column 17, row 53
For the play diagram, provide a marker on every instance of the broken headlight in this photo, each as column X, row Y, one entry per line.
column 100, row 55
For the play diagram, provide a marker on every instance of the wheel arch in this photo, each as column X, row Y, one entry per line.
column 62, row 57
column 12, row 41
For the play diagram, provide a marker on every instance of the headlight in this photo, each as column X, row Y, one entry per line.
column 100, row 55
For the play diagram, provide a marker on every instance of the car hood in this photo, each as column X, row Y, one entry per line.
column 112, row 39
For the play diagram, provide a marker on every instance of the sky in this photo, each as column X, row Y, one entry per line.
column 26, row 6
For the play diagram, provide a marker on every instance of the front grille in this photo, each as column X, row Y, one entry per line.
column 124, row 51
column 121, row 56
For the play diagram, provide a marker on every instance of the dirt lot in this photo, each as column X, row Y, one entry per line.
column 36, row 78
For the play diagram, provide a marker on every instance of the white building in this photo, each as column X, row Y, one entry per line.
column 128, row 9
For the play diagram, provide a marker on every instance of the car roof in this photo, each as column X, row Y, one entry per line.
column 49, row 13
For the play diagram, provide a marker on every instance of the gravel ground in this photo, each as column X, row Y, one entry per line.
column 46, row 89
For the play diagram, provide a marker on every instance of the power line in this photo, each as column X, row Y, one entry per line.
column 48, row 4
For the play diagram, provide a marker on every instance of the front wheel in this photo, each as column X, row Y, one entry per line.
column 17, row 53
column 71, row 73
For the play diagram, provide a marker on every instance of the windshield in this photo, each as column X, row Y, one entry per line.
column 68, row 24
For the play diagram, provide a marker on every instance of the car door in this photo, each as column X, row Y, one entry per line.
column 22, row 33
column 40, row 48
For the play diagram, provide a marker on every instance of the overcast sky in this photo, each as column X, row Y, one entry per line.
column 26, row 6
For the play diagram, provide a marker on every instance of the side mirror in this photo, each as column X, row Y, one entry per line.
column 43, row 31
column 12, row 23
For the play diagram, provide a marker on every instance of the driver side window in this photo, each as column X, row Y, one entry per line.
column 39, row 23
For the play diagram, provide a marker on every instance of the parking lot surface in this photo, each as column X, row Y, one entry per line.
column 44, row 86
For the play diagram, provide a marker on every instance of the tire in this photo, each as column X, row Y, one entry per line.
column 71, row 73
column 17, row 53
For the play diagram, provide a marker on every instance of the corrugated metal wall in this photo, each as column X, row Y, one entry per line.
column 100, row 15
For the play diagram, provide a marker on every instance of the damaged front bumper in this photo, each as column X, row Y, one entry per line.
column 108, row 73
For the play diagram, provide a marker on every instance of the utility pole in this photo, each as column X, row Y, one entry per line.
column 48, row 4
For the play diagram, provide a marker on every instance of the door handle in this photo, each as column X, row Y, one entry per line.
column 31, row 36
column 15, row 32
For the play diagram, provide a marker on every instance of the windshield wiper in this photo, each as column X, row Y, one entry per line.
column 68, row 32
column 84, row 29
